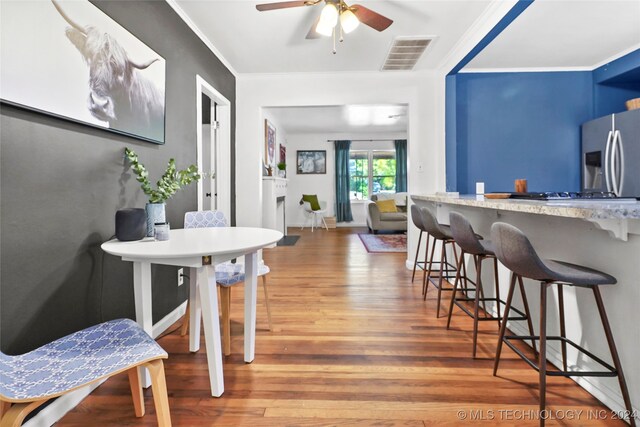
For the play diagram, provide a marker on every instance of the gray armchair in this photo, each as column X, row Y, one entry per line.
column 392, row 221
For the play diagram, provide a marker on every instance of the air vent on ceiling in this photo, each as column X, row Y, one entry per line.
column 405, row 53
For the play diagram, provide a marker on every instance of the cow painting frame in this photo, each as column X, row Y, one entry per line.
column 82, row 66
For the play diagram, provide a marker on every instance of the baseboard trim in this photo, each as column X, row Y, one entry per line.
column 169, row 320
column 58, row 409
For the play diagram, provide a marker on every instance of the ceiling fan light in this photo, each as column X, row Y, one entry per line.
column 328, row 20
column 323, row 29
column 329, row 16
column 348, row 21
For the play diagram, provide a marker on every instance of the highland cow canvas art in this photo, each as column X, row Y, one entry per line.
column 81, row 65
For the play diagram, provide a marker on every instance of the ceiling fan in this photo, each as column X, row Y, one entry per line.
column 334, row 12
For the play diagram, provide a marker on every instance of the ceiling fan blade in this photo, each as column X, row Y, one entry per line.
column 280, row 5
column 371, row 18
column 312, row 34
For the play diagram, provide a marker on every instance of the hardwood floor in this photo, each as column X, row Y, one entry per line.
column 353, row 344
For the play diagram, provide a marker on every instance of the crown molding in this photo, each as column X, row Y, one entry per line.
column 524, row 70
column 616, row 56
column 187, row 20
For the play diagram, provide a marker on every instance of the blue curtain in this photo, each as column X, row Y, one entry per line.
column 401, row 165
column 343, row 204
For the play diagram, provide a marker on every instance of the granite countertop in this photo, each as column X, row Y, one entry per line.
column 593, row 210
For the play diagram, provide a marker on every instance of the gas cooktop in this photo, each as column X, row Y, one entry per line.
column 574, row 196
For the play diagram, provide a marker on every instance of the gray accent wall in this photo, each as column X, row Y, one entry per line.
column 62, row 182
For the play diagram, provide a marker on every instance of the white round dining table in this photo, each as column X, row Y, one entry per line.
column 200, row 249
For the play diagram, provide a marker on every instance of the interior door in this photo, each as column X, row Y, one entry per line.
column 213, row 150
column 628, row 140
column 209, row 201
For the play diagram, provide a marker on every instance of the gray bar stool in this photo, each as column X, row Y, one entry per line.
column 515, row 251
column 417, row 221
column 440, row 233
column 480, row 250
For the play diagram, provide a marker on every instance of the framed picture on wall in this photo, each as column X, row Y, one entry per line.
column 311, row 162
column 269, row 143
column 283, row 154
column 82, row 66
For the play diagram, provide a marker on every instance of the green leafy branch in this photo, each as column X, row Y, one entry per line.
column 170, row 182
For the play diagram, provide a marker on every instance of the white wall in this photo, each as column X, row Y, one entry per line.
column 416, row 89
column 324, row 185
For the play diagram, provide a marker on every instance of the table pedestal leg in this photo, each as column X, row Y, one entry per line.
column 142, row 295
column 195, row 315
column 209, row 303
column 250, row 298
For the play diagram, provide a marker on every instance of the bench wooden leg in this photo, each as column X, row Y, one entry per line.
column 225, row 304
column 159, row 389
column 136, row 391
column 16, row 414
column 4, row 407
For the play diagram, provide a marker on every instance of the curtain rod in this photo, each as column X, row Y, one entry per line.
column 361, row 140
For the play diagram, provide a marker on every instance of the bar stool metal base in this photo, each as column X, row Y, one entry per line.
column 479, row 298
column 422, row 265
column 443, row 272
column 541, row 367
column 610, row 370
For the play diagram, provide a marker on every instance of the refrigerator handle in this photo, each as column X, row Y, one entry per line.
column 607, row 165
column 614, row 164
column 618, row 138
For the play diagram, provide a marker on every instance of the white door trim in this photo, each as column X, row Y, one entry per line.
column 223, row 146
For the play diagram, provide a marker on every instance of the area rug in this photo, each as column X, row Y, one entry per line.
column 288, row 240
column 379, row 243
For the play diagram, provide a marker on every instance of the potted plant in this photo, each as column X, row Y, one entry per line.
column 170, row 182
column 282, row 167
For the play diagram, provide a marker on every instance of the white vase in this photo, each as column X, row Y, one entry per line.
column 155, row 213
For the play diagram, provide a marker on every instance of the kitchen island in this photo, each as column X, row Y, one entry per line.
column 604, row 235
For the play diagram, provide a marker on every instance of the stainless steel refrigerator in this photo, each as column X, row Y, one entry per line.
column 611, row 154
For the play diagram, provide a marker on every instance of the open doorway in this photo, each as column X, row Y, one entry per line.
column 372, row 130
column 213, row 149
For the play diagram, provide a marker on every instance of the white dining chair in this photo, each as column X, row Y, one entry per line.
column 312, row 215
column 227, row 275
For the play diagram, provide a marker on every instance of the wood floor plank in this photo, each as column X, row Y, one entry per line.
column 353, row 344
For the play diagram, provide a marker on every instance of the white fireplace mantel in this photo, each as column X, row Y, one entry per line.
column 274, row 191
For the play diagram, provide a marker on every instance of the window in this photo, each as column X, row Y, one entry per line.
column 371, row 172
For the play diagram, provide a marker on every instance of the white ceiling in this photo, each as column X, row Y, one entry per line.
column 564, row 34
column 548, row 34
column 350, row 119
column 274, row 41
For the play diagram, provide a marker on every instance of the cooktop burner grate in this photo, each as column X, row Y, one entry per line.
column 573, row 196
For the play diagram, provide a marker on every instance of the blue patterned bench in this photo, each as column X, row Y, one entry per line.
column 84, row 357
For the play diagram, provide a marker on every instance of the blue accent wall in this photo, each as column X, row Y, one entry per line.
column 450, row 132
column 505, row 126
column 519, row 125
column 615, row 83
